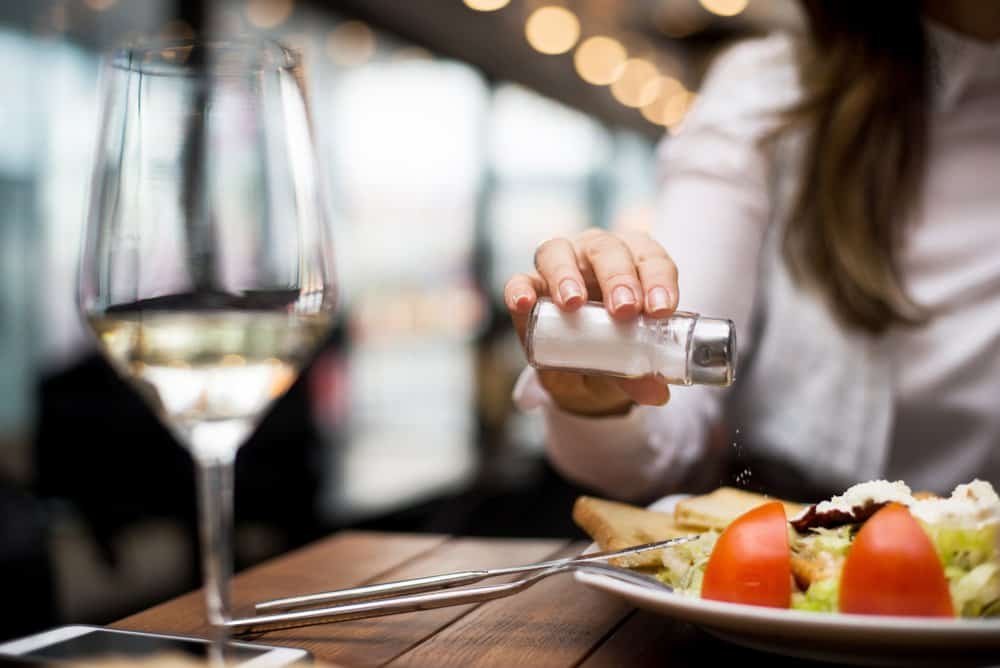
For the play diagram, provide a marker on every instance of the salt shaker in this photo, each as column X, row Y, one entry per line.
column 683, row 349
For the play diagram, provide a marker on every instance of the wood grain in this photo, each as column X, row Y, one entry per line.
column 376, row 641
column 343, row 560
column 555, row 623
column 360, row 558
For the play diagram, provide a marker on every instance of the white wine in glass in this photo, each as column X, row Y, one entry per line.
column 207, row 273
column 209, row 375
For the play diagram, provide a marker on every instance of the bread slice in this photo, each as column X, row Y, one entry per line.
column 615, row 526
column 717, row 509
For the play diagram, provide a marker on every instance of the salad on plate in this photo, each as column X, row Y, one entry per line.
column 877, row 548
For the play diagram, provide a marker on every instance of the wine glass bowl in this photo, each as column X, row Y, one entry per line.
column 206, row 272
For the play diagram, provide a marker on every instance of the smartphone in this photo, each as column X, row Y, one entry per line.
column 79, row 642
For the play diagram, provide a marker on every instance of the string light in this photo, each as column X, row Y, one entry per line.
column 600, row 60
column 662, row 90
column 486, row 5
column 633, row 88
column 676, row 108
column 724, row 7
column 552, row 30
column 351, row 43
column 268, row 13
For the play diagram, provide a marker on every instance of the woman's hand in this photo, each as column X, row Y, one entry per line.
column 631, row 274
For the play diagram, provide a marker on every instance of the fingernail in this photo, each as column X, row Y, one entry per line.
column 520, row 301
column 658, row 299
column 622, row 296
column 570, row 291
column 671, row 298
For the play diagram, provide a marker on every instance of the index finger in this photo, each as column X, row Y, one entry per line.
column 520, row 295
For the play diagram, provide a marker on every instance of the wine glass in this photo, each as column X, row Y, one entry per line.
column 206, row 273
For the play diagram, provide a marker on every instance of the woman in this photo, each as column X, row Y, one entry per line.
column 839, row 199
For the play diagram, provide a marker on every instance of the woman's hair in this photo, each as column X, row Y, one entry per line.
column 864, row 74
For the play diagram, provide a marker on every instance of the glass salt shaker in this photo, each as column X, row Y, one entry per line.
column 684, row 348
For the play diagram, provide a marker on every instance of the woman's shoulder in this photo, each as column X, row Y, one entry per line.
column 771, row 54
column 755, row 79
column 740, row 103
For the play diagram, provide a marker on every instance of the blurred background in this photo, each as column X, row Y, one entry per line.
column 455, row 136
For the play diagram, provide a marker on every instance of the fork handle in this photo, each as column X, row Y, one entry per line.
column 381, row 607
column 425, row 601
column 412, row 586
column 431, row 582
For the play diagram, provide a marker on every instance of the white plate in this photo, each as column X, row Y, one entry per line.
column 858, row 639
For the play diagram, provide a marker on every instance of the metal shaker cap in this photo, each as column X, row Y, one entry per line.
column 713, row 352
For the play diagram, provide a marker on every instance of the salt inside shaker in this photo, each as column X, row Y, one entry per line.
column 684, row 348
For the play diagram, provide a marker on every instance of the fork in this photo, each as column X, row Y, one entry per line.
column 432, row 582
column 436, row 599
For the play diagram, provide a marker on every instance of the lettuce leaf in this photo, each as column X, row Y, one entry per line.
column 835, row 542
column 971, row 561
column 977, row 592
column 684, row 565
column 964, row 548
column 820, row 597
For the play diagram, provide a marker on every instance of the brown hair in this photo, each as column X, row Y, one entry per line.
column 865, row 80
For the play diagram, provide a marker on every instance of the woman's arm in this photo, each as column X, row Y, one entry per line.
column 712, row 213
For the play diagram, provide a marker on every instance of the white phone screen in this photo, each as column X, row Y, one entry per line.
column 75, row 643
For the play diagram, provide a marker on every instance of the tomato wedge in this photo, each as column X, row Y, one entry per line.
column 893, row 569
column 751, row 562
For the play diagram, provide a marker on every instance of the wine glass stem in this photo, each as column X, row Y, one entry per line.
column 215, row 504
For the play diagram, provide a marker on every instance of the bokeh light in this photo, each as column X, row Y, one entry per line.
column 268, row 13
column 664, row 104
column 552, row 30
column 633, row 88
column 725, row 7
column 351, row 43
column 676, row 108
column 486, row 5
column 600, row 60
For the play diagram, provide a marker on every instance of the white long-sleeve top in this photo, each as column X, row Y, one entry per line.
column 922, row 405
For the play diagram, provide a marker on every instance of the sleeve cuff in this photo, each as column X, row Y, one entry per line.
column 607, row 453
column 632, row 457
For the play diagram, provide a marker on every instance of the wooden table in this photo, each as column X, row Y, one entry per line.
column 555, row 623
